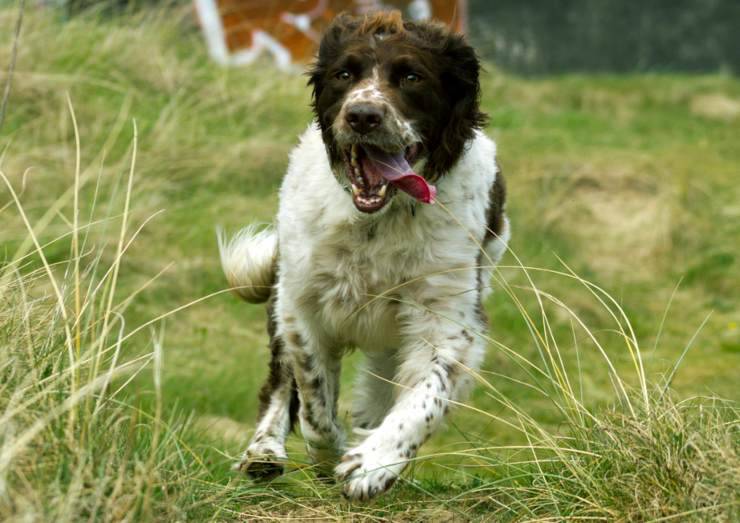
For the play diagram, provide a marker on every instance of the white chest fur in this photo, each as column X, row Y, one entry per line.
column 349, row 271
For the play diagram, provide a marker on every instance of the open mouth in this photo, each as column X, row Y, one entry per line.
column 375, row 175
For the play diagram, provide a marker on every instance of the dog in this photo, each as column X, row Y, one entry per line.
column 391, row 217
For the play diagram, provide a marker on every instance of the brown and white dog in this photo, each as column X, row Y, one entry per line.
column 391, row 217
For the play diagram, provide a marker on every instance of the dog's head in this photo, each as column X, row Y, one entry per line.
column 388, row 94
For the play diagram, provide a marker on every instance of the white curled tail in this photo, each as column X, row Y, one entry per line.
column 249, row 262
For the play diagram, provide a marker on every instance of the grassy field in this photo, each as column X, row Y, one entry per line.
column 129, row 373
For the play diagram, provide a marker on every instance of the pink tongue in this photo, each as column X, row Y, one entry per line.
column 395, row 169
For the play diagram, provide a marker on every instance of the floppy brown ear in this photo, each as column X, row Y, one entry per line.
column 329, row 48
column 461, row 83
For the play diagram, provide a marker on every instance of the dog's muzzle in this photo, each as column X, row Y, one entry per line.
column 378, row 157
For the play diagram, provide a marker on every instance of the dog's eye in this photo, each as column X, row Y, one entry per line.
column 412, row 78
column 343, row 75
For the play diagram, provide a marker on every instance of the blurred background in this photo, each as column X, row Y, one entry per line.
column 527, row 37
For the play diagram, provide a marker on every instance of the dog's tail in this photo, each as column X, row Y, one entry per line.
column 249, row 262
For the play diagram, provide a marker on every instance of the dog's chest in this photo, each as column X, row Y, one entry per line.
column 356, row 276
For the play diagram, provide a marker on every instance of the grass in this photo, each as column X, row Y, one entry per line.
column 128, row 373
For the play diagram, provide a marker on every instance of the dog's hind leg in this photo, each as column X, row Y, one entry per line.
column 277, row 414
column 374, row 390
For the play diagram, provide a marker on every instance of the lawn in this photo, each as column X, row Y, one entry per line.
column 129, row 373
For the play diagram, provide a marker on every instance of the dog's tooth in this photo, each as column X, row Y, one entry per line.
column 381, row 192
column 353, row 161
column 355, row 190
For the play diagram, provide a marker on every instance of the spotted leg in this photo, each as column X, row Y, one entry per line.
column 431, row 373
column 278, row 411
column 316, row 370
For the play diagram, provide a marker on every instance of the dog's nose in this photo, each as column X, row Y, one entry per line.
column 364, row 117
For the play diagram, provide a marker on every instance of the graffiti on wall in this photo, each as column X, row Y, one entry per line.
column 239, row 31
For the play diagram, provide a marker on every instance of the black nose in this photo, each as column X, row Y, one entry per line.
column 364, row 117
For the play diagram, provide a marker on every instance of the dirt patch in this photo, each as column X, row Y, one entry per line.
column 620, row 218
column 715, row 106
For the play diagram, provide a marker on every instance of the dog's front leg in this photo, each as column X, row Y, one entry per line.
column 278, row 409
column 432, row 372
column 316, row 370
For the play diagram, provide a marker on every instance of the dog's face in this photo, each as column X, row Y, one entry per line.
column 388, row 94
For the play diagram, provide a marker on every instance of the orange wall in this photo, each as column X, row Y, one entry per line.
column 241, row 17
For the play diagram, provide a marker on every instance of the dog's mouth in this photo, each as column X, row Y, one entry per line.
column 375, row 175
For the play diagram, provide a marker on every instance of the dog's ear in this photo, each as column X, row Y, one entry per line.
column 329, row 49
column 461, row 84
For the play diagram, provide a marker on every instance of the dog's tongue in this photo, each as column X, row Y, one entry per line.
column 395, row 169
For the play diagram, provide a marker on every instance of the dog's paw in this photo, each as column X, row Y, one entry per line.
column 262, row 461
column 367, row 471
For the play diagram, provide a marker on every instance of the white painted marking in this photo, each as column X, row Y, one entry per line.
column 213, row 30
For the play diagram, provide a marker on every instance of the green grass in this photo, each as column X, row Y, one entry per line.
column 128, row 390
